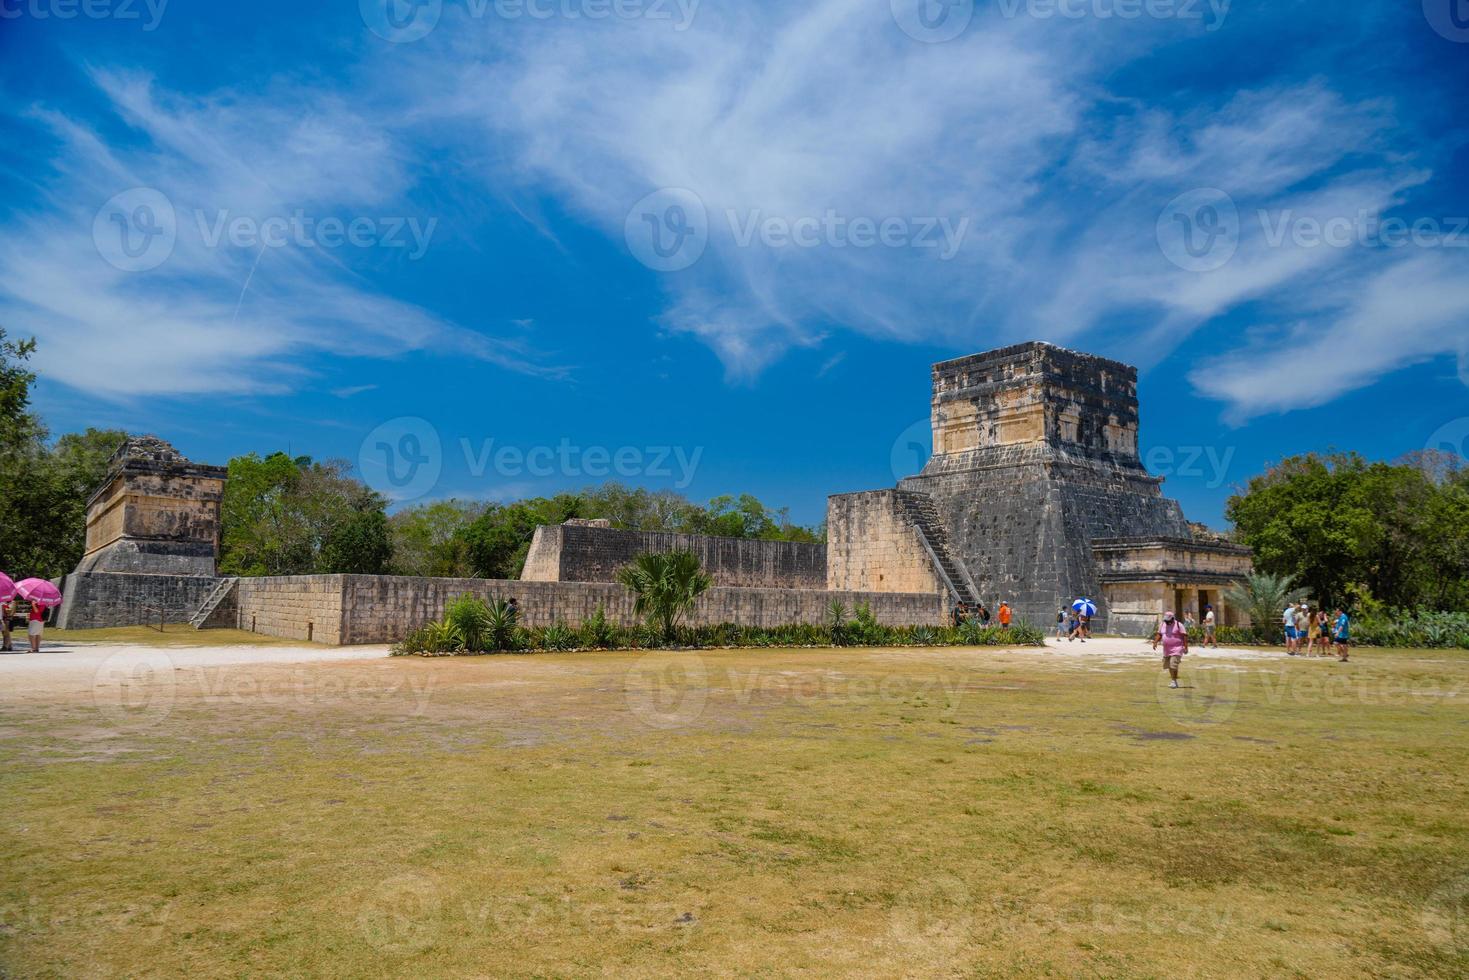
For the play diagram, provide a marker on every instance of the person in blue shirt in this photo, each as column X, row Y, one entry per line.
column 1342, row 633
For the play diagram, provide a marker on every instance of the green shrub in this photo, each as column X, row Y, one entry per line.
column 598, row 633
column 558, row 637
column 470, row 615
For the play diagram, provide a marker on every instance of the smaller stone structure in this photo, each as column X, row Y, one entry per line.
column 593, row 551
column 1142, row 579
column 152, row 540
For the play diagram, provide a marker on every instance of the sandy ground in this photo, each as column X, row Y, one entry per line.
column 66, row 666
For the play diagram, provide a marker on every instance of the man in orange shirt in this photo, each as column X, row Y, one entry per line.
column 1004, row 615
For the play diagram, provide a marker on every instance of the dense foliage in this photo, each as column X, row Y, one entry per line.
column 293, row 516
column 459, row 538
column 455, row 635
column 1355, row 532
column 44, row 485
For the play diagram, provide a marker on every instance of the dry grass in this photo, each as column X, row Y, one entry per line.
column 948, row 812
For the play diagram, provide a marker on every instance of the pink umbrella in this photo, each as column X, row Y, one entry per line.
column 7, row 588
column 38, row 592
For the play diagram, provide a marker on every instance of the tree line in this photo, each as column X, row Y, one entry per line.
column 1368, row 535
column 293, row 515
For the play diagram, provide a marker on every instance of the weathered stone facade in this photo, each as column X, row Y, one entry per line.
column 879, row 549
column 152, row 539
column 156, row 513
column 1035, row 458
column 583, row 551
column 352, row 609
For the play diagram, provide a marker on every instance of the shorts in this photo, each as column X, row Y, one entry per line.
column 1291, row 634
column 34, row 627
column 1172, row 660
column 1209, row 629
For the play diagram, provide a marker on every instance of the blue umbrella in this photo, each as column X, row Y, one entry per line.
column 1085, row 606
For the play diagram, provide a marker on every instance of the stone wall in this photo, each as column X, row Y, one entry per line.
column 296, row 607
column 871, row 546
column 353, row 609
column 93, row 600
column 586, row 553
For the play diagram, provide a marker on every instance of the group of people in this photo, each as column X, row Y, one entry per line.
column 965, row 612
column 1074, row 624
column 1316, row 629
column 33, row 620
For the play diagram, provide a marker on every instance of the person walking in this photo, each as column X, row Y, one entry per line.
column 1004, row 615
column 7, row 610
column 1210, row 622
column 1323, row 631
column 1288, row 620
column 1175, row 644
column 1342, row 633
column 36, row 623
column 1060, row 623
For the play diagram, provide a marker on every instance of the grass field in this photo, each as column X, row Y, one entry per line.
column 872, row 812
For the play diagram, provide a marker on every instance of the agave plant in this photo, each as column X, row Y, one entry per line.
column 598, row 632
column 470, row 615
column 558, row 636
column 500, row 625
column 443, row 637
column 665, row 587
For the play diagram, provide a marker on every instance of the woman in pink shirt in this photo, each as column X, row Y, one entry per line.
column 1175, row 644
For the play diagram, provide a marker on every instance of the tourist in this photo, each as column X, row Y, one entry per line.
column 1175, row 644
column 1004, row 615
column 1323, row 631
column 1075, row 627
column 1188, row 622
column 1288, row 620
column 6, row 611
column 984, row 615
column 1060, row 623
column 1303, row 626
column 1342, row 633
column 1210, row 622
column 513, row 608
column 1086, row 626
column 36, row 622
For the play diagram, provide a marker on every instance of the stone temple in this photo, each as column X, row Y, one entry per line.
column 1034, row 494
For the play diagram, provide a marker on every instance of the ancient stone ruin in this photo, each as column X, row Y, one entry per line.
column 1034, row 494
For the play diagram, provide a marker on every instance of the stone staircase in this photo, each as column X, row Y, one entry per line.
column 216, row 598
column 924, row 517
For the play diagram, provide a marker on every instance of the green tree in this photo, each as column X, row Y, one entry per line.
column 292, row 516
column 665, row 587
column 430, row 539
column 1264, row 597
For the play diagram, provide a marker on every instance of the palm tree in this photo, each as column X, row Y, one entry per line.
column 665, row 587
column 1263, row 597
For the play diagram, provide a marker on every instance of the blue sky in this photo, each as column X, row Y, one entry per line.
column 251, row 227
